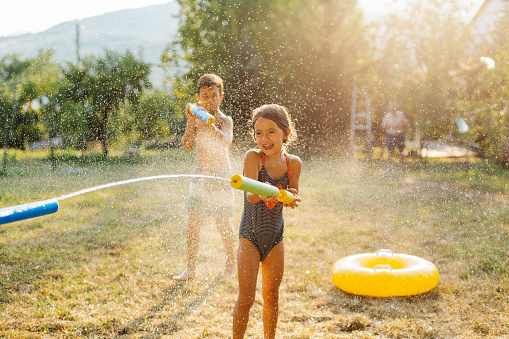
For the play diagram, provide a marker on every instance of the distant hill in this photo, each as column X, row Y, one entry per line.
column 145, row 32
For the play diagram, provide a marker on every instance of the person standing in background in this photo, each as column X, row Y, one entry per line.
column 395, row 124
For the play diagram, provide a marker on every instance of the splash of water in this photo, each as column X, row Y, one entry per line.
column 44, row 207
column 123, row 182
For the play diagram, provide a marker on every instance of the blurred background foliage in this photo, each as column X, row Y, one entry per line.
column 307, row 55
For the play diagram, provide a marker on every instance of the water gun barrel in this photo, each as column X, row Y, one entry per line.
column 203, row 115
column 254, row 186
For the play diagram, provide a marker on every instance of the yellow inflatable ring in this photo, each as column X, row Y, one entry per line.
column 384, row 274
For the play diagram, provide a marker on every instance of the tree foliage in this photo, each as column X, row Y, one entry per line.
column 102, row 85
column 418, row 49
column 23, row 83
column 304, row 54
column 154, row 117
column 483, row 89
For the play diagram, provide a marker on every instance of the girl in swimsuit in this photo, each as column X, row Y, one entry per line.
column 262, row 225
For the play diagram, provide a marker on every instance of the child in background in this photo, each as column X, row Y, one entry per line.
column 209, row 196
column 262, row 224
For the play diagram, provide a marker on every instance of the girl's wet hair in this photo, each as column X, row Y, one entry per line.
column 280, row 116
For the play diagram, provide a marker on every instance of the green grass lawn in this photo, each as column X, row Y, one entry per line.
column 101, row 266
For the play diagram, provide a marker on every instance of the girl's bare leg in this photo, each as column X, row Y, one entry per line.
column 272, row 275
column 248, row 263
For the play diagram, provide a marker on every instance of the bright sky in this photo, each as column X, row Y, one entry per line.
column 36, row 16
column 374, row 8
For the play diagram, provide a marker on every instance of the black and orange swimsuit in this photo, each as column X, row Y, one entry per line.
column 262, row 223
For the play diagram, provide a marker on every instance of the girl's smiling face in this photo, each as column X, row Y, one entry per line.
column 269, row 136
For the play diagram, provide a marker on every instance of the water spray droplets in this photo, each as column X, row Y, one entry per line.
column 129, row 181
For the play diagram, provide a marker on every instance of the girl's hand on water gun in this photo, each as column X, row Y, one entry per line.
column 295, row 202
column 269, row 199
column 272, row 198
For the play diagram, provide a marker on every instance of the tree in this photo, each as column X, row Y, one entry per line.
column 155, row 118
column 5, row 108
column 483, row 91
column 25, row 82
column 304, row 54
column 102, row 85
column 417, row 50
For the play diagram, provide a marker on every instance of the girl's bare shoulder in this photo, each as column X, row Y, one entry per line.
column 253, row 161
column 295, row 164
column 294, row 159
column 253, row 155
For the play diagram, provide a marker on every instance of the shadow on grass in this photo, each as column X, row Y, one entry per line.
column 170, row 325
column 376, row 307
